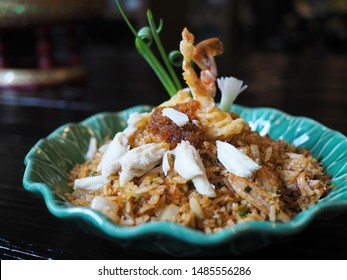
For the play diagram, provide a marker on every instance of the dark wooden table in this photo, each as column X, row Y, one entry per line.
column 314, row 87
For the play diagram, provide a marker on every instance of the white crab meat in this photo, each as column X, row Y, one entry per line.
column 135, row 121
column 115, row 150
column 203, row 186
column 90, row 183
column 139, row 161
column 103, row 148
column 235, row 161
column 189, row 165
column 105, row 206
column 165, row 166
column 92, row 148
column 186, row 161
column 177, row 117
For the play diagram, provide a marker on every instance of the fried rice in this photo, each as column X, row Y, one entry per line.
column 285, row 181
column 288, row 173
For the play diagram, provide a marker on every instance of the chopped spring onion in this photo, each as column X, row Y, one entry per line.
column 154, row 180
column 243, row 213
column 176, row 58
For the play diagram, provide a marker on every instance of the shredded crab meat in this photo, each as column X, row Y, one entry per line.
column 165, row 164
column 92, row 148
column 235, row 161
column 90, row 183
column 303, row 185
column 189, row 165
column 135, row 121
column 140, row 160
column 177, row 117
column 256, row 196
column 115, row 150
column 268, row 179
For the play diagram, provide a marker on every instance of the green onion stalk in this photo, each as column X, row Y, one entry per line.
column 143, row 40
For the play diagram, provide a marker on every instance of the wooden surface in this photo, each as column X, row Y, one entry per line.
column 314, row 87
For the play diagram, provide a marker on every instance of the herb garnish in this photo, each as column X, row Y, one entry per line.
column 248, row 189
column 154, row 180
column 243, row 213
column 138, row 198
column 143, row 40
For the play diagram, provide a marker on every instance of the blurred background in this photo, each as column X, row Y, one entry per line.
column 80, row 55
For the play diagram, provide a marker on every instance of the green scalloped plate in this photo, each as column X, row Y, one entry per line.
column 49, row 161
